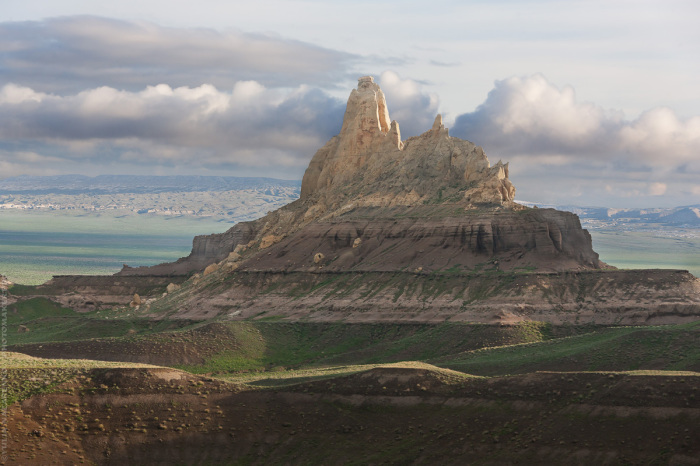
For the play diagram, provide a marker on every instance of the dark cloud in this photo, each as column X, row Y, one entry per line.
column 69, row 54
column 252, row 126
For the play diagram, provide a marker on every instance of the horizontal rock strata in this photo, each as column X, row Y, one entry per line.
column 634, row 297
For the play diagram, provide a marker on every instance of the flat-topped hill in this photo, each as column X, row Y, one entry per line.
column 390, row 230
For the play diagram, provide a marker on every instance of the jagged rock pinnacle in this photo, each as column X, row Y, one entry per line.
column 368, row 161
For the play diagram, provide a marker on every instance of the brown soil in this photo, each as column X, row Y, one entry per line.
column 393, row 415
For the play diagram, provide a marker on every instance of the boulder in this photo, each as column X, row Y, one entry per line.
column 172, row 287
column 211, row 268
column 230, row 267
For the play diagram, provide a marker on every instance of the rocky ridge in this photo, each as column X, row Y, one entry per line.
column 401, row 413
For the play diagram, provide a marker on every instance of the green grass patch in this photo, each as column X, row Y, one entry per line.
column 263, row 346
column 674, row 347
column 40, row 320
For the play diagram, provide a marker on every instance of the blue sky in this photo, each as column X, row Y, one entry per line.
column 593, row 103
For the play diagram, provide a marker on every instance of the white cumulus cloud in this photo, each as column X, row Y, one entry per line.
column 580, row 148
column 531, row 116
column 412, row 107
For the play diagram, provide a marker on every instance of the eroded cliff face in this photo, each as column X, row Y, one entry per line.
column 206, row 250
column 545, row 240
column 434, row 199
column 490, row 296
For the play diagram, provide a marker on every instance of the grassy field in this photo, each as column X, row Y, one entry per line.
column 268, row 349
column 663, row 348
column 652, row 249
column 39, row 320
column 474, row 349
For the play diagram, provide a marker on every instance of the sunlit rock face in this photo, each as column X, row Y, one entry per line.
column 369, row 160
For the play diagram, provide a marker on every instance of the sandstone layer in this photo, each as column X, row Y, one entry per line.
column 613, row 297
column 367, row 240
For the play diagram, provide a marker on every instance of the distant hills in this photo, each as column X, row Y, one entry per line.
column 138, row 184
column 226, row 198
column 282, row 191
column 672, row 216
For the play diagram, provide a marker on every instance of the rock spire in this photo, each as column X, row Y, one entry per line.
column 369, row 161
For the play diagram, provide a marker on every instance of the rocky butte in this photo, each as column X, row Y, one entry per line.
column 436, row 199
column 422, row 229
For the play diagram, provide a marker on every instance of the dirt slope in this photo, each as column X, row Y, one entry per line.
column 386, row 416
column 635, row 297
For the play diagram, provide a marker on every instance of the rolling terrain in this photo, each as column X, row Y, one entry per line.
column 408, row 412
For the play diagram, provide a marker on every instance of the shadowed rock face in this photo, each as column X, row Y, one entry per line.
column 547, row 240
column 206, row 249
column 433, row 199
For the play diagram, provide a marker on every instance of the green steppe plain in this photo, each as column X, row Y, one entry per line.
column 34, row 246
column 650, row 248
column 262, row 353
